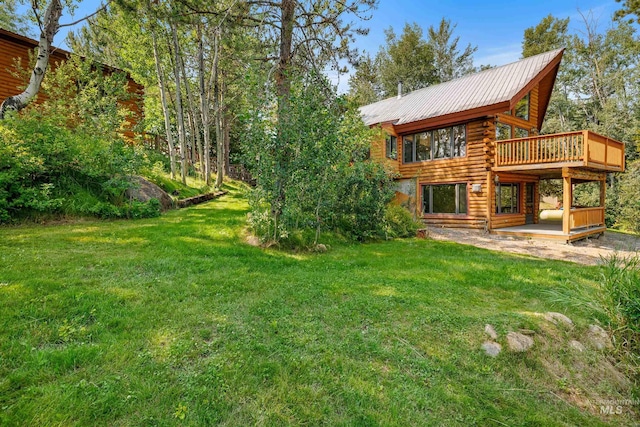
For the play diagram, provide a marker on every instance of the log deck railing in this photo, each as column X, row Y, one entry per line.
column 586, row 217
column 581, row 148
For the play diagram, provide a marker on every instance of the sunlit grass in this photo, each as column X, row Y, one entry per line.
column 177, row 321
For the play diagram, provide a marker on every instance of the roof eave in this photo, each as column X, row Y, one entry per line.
column 453, row 118
column 551, row 67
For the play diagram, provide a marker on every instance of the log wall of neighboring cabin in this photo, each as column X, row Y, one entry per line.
column 14, row 47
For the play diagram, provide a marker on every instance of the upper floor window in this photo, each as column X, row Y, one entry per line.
column 503, row 131
column 522, row 108
column 520, row 133
column 436, row 144
column 392, row 147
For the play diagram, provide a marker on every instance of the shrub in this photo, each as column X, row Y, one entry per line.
column 312, row 167
column 615, row 302
column 400, row 222
column 629, row 202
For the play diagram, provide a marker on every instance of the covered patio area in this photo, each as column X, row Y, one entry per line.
column 575, row 158
column 551, row 230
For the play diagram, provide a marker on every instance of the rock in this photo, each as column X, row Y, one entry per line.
column 598, row 337
column 253, row 241
column 491, row 348
column 576, row 345
column 320, row 248
column 557, row 317
column 144, row 190
column 490, row 330
column 518, row 342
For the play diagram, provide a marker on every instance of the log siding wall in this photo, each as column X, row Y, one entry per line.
column 474, row 168
column 14, row 47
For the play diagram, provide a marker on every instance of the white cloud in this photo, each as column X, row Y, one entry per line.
column 498, row 56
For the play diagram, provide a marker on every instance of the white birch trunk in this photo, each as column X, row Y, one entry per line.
column 50, row 28
column 204, row 109
column 179, row 111
column 165, row 107
column 217, row 107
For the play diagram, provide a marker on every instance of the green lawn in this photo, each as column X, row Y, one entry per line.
column 176, row 321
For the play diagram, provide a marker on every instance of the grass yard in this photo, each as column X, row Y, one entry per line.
column 176, row 321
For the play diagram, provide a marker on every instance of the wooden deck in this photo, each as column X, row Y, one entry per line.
column 550, row 230
column 583, row 149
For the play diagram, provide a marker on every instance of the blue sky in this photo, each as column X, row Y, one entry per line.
column 496, row 27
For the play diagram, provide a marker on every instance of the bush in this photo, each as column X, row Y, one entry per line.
column 629, row 202
column 615, row 302
column 400, row 222
column 312, row 168
column 46, row 168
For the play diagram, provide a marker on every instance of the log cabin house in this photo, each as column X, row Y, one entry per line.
column 17, row 47
column 468, row 153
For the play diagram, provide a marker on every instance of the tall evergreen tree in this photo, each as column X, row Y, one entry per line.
column 363, row 84
column 449, row 62
column 408, row 59
column 11, row 20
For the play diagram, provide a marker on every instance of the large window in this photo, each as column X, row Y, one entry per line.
column 507, row 197
column 503, row 131
column 392, row 147
column 436, row 144
column 444, row 199
column 520, row 133
column 522, row 108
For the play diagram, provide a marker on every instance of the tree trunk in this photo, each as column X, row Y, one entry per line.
column 50, row 28
column 195, row 123
column 217, row 108
column 283, row 91
column 179, row 110
column 227, row 142
column 204, row 109
column 165, row 106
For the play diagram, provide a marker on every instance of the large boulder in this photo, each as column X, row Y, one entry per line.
column 143, row 191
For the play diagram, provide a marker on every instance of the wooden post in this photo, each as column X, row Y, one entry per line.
column 567, row 197
column 603, row 186
column 490, row 191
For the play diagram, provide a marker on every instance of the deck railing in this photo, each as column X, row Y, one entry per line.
column 582, row 148
column 586, row 217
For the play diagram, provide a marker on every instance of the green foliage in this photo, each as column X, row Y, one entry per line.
column 549, row 34
column 408, row 58
column 629, row 7
column 312, row 171
column 138, row 323
column 400, row 222
column 449, row 62
column 628, row 200
column 66, row 156
column 11, row 20
column 47, row 168
column 363, row 85
column 614, row 302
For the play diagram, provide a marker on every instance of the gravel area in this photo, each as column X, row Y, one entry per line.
column 587, row 251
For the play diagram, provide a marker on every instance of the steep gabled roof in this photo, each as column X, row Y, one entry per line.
column 487, row 92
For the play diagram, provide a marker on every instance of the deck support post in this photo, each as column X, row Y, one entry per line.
column 567, row 197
